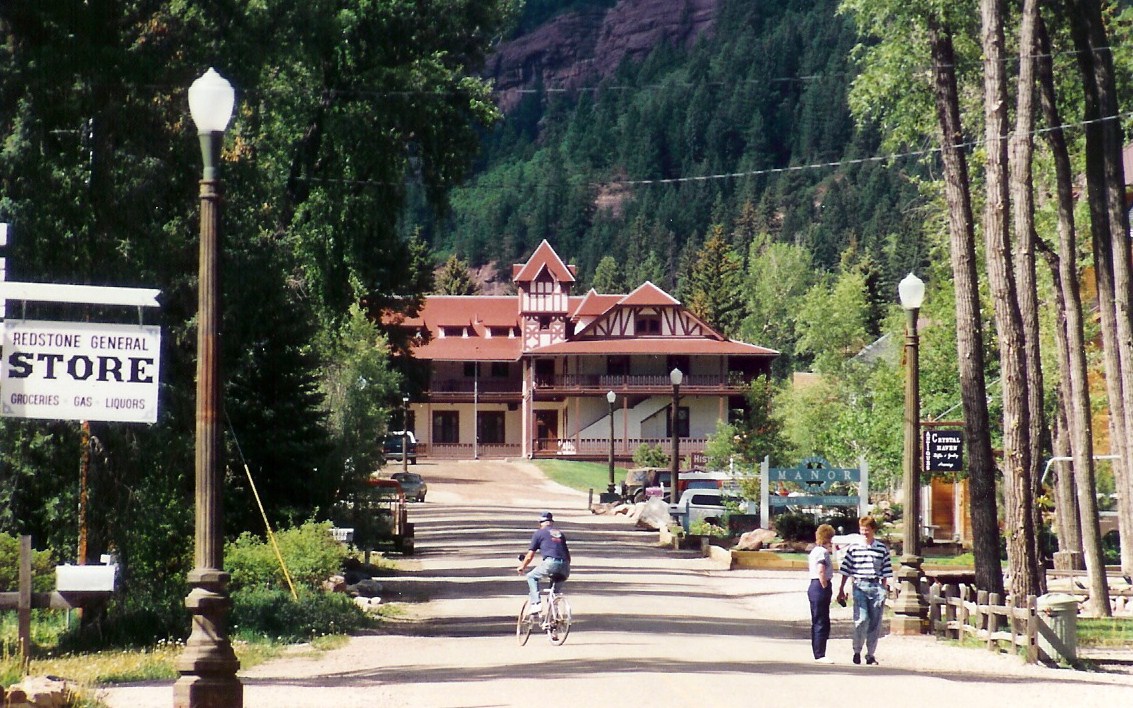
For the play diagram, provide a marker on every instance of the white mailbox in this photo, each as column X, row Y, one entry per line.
column 85, row 578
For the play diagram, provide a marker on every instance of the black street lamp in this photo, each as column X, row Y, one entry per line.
column 676, row 376
column 611, row 397
column 208, row 665
column 910, row 612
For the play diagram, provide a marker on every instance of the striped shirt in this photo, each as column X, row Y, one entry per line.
column 862, row 562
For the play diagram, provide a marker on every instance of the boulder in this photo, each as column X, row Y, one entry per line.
column 39, row 692
column 755, row 540
column 367, row 587
column 368, row 604
column 335, row 583
column 654, row 515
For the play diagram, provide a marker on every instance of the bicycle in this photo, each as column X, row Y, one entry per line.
column 554, row 619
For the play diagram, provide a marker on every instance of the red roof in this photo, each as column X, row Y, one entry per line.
column 594, row 305
column 471, row 349
column 544, row 257
column 649, row 294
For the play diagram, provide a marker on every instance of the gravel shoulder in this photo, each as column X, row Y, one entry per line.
column 666, row 627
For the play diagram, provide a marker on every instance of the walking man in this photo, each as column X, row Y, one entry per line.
column 868, row 564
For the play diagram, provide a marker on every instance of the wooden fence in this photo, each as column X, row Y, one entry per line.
column 958, row 611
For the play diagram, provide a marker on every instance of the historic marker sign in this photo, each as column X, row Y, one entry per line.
column 80, row 371
column 943, row 450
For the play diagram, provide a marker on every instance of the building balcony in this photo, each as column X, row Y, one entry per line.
column 642, row 384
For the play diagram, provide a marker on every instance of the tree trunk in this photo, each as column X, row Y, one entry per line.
column 1103, row 275
column 1023, row 203
column 1019, row 521
column 969, row 332
column 1122, row 279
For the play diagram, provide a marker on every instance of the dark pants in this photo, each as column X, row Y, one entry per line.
column 819, row 616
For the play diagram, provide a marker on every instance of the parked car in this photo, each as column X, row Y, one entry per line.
column 391, row 447
column 412, row 484
column 708, row 505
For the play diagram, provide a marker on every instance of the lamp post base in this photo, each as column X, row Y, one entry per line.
column 910, row 611
column 208, row 665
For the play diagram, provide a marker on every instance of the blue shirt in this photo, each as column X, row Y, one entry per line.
column 550, row 543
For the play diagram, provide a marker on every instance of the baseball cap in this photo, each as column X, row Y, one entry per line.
column 546, row 516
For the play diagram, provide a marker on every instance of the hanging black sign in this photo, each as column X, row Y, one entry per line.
column 943, row 450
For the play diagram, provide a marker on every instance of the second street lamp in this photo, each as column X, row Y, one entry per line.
column 910, row 612
column 676, row 376
column 208, row 665
column 405, row 433
column 611, row 397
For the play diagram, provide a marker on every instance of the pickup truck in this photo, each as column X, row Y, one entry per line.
column 707, row 505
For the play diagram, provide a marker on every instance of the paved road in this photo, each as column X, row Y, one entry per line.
column 652, row 626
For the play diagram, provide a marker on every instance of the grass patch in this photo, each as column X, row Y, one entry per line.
column 581, row 475
column 1109, row 632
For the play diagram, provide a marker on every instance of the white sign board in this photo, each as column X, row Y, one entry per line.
column 80, row 371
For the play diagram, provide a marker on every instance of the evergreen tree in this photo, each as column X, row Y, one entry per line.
column 454, row 278
column 607, row 277
column 715, row 285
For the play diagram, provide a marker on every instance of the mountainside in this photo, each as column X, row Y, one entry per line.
column 633, row 129
column 585, row 45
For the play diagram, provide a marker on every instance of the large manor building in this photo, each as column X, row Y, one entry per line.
column 530, row 374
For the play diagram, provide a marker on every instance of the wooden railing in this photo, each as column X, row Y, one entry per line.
column 619, row 382
column 598, row 447
column 958, row 611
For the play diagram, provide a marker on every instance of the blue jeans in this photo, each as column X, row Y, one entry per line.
column 819, row 616
column 549, row 566
column 869, row 603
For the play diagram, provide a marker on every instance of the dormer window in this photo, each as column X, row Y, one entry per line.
column 499, row 331
column 544, row 322
column 452, row 331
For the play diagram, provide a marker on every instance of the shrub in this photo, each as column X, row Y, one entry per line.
column 844, row 521
column 647, row 455
column 794, row 526
column 700, row 527
column 42, row 566
column 310, row 552
column 271, row 613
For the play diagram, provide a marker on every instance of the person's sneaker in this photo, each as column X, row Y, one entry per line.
column 824, row 660
column 871, row 660
column 857, row 658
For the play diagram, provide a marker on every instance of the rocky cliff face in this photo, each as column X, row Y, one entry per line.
column 580, row 48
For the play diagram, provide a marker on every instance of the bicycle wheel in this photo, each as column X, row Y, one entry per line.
column 523, row 625
column 560, row 621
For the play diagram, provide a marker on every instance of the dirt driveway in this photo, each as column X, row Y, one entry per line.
column 651, row 626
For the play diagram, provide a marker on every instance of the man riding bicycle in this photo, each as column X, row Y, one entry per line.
column 549, row 542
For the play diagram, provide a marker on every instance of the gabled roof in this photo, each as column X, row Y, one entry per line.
column 594, row 305
column 543, row 257
column 649, row 294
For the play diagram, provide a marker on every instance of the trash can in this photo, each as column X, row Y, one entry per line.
column 1058, row 627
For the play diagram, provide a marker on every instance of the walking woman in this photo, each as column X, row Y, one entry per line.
column 819, row 592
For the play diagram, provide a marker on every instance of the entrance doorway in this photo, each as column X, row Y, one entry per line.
column 546, row 430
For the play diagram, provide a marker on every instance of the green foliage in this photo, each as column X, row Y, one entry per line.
column 778, row 277
column 359, row 389
column 715, row 285
column 309, row 552
column 795, row 526
column 607, row 277
column 700, row 527
column 647, row 455
column 454, row 278
column 42, row 566
column 272, row 613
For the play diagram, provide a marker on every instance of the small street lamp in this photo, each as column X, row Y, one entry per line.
column 611, row 397
column 405, row 433
column 676, row 376
column 208, row 665
column 911, row 611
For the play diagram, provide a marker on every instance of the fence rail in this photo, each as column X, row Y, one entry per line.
column 958, row 611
